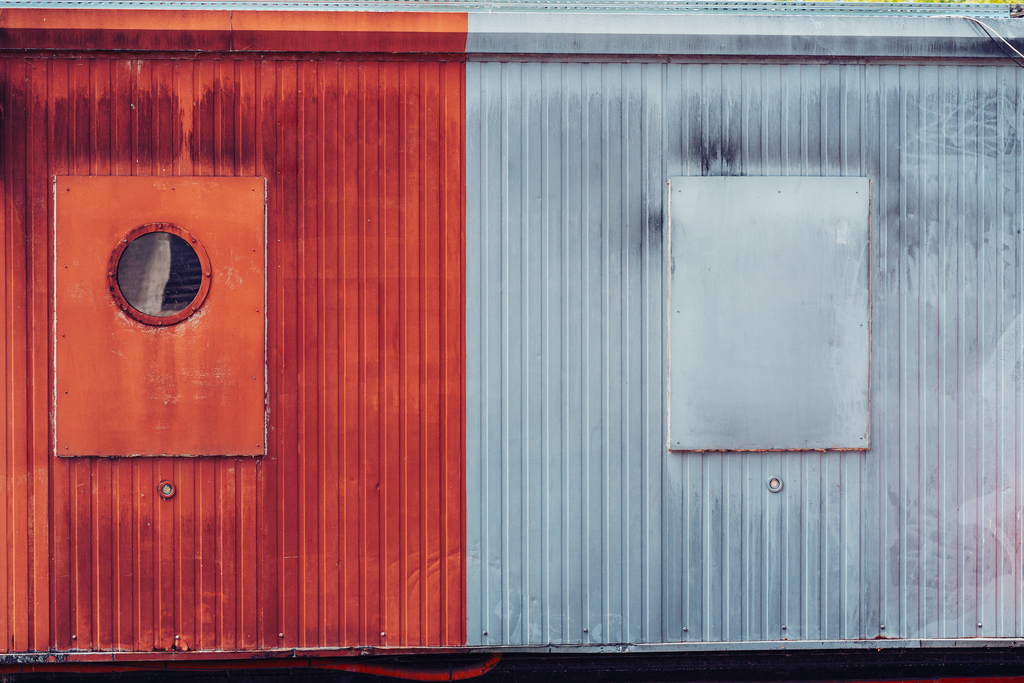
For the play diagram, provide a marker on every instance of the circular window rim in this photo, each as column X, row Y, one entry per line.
column 115, row 288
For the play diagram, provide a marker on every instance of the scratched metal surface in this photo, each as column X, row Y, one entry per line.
column 768, row 313
column 581, row 527
column 728, row 32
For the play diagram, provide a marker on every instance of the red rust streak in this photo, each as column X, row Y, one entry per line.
column 291, row 543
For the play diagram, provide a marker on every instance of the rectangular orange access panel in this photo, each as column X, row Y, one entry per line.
column 159, row 316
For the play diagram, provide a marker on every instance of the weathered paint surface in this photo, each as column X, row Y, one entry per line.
column 581, row 527
column 231, row 31
column 124, row 387
column 350, row 530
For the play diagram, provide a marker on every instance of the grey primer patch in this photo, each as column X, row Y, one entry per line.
column 768, row 302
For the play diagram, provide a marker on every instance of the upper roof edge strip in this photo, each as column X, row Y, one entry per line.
column 723, row 28
column 658, row 7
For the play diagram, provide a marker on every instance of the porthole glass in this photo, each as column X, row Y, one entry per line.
column 159, row 274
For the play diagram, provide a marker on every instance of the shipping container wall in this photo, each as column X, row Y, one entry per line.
column 350, row 530
column 581, row 526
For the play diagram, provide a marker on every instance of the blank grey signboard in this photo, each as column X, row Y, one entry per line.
column 769, row 304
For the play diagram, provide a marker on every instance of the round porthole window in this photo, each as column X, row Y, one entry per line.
column 159, row 274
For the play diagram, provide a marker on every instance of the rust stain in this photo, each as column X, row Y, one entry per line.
column 352, row 524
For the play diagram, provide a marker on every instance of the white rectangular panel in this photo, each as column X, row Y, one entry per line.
column 768, row 303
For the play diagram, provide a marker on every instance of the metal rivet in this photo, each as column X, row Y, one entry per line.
column 783, row 627
column 382, row 634
column 177, row 637
column 882, row 627
column 207, row 275
column 685, row 628
column 74, row 637
column 193, row 240
column 280, row 635
column 586, row 630
column 775, row 484
column 485, row 633
column 979, row 624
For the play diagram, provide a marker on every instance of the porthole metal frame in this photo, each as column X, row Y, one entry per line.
column 115, row 289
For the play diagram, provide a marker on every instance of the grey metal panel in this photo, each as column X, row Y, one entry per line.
column 578, row 516
column 768, row 303
column 737, row 34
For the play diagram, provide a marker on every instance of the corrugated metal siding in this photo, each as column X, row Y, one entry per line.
column 581, row 527
column 350, row 530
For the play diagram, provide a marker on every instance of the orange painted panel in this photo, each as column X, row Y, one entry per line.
column 350, row 530
column 124, row 387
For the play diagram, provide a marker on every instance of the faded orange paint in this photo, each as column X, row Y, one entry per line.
column 232, row 31
column 192, row 388
column 350, row 530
